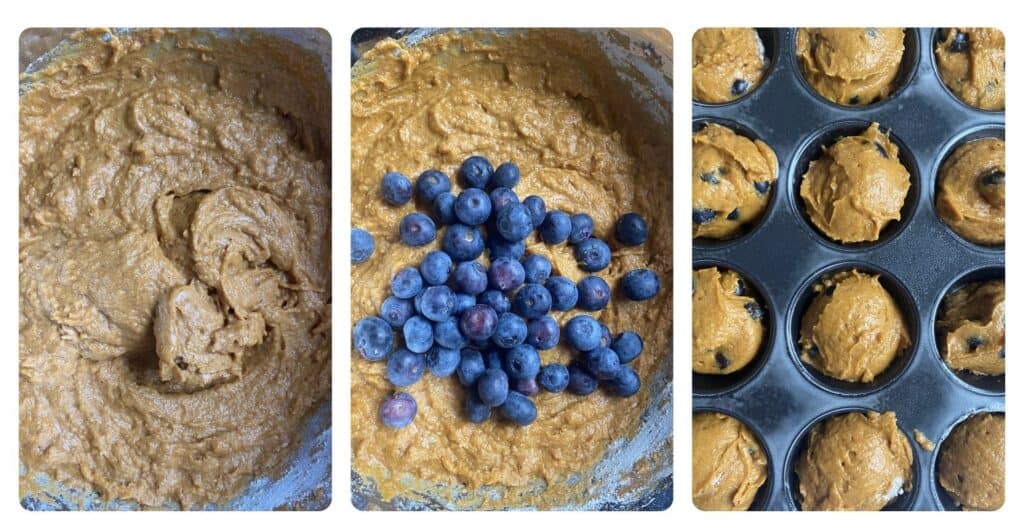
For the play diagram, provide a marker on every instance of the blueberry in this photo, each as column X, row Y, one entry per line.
column 641, row 284
column 438, row 303
column 535, row 205
column 532, row 301
column 407, row 283
column 447, row 334
column 994, row 177
column 471, row 367
column 812, row 352
column 395, row 311
column 739, row 86
column 513, row 222
column 396, row 189
column 593, row 254
column 555, row 228
column 398, row 410
column 1002, row 353
column 602, row 362
column 734, row 215
column 510, row 331
column 444, row 208
column 362, row 245
column 416, row 230
column 537, row 268
column 543, row 333
column 581, row 381
column 628, row 346
column 432, row 183
column 762, row 187
column 502, row 248
column 522, row 362
column 492, row 387
column 754, row 310
column 564, row 294
column 722, row 361
column 631, row 230
column 594, row 294
column 373, row 338
column 506, row 274
column 711, row 177
column 704, row 215
column 496, row 299
column 855, row 100
column 418, row 333
column 506, row 175
column 478, row 322
column 436, row 267
column 582, row 227
column 606, row 337
column 583, row 333
column 462, row 243
column 442, row 361
column 463, row 301
column 625, row 383
column 830, row 289
column 493, row 359
column 472, row 207
column 500, row 198
column 973, row 342
column 881, row 150
column 553, row 377
column 470, row 277
column 741, row 287
column 961, row 42
column 519, row 409
column 526, row 387
column 405, row 367
column 476, row 172
column 476, row 411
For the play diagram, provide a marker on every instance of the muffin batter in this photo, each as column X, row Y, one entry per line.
column 551, row 102
column 854, row 462
column 972, row 63
column 972, row 328
column 727, row 322
column 729, row 465
column 971, row 196
column 856, row 188
column 177, row 175
column 853, row 328
column 972, row 466
column 727, row 63
column 732, row 180
column 850, row 66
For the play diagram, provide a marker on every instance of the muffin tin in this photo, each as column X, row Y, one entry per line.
column 782, row 256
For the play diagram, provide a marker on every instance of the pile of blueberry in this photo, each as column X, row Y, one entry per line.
column 485, row 325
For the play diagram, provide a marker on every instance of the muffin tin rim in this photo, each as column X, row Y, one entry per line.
column 938, row 491
column 764, row 493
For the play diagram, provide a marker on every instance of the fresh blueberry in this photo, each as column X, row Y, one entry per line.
column 602, row 362
column 436, row 267
column 510, row 331
column 723, row 361
column 855, row 100
column 704, row 215
column 471, row 367
column 564, row 294
column 631, row 230
column 625, row 383
column 500, row 198
column 582, row 227
column 398, row 410
column 478, row 322
column 494, row 359
column 606, row 337
column 397, row 189
column 416, row 230
column 447, row 334
column 739, row 86
column 974, row 342
column 432, row 183
column 502, row 248
column 476, row 172
column 472, row 207
column 532, row 301
column 418, row 333
column 581, row 381
column 553, row 377
column 373, row 338
column 522, row 362
column 640, row 284
column 628, row 346
column 995, row 177
column 405, row 367
column 476, row 411
column 438, row 303
column 362, row 245
column 463, row 301
column 526, row 387
column 395, row 311
column 470, row 277
column 462, row 243
column 734, row 215
column 543, row 333
column 482, row 344
column 513, row 222
column 762, row 187
column 594, row 293
column 583, row 333
column 754, row 310
column 593, row 254
column 961, row 42
column 495, row 299
column 407, row 283
column 535, row 205
column 442, row 361
column 444, row 208
column 519, row 409
column 537, row 268
column 506, row 175
column 556, row 227
column 492, row 387
column 505, row 274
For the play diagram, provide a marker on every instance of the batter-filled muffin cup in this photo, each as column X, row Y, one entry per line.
column 972, row 328
column 972, row 64
column 728, row 323
column 851, row 66
column 971, row 195
column 972, row 462
column 727, row 63
column 729, row 464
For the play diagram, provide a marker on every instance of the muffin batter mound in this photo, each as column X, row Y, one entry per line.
column 850, row 66
column 854, row 462
column 727, row 322
column 971, row 195
column 972, row 328
column 853, row 328
column 729, row 465
column 972, row 63
column 972, row 462
column 727, row 63
column 174, row 264
column 732, row 181
column 856, row 188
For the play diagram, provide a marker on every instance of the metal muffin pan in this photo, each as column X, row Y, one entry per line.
column 781, row 256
